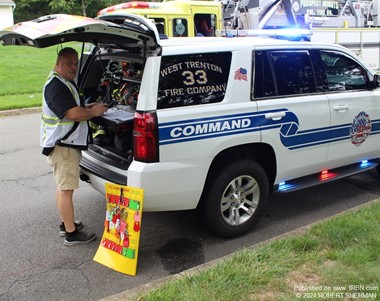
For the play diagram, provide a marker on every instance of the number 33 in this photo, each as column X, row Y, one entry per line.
column 198, row 76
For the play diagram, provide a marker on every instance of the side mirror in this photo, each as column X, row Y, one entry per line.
column 376, row 81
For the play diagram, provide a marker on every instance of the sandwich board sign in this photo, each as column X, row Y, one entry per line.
column 119, row 245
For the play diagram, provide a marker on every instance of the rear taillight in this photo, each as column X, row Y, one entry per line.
column 145, row 137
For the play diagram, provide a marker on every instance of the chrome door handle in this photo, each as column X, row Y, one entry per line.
column 275, row 116
column 341, row 108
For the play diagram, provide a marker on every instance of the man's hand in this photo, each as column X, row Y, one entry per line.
column 98, row 109
column 93, row 110
column 93, row 104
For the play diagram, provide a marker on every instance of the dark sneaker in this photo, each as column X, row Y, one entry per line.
column 62, row 229
column 78, row 237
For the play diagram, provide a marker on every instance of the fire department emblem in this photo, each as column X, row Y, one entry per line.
column 360, row 128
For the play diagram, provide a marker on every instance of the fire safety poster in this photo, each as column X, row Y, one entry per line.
column 120, row 242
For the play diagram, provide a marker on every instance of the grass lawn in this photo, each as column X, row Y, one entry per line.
column 23, row 71
column 337, row 259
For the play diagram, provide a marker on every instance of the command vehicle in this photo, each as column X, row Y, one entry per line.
column 212, row 124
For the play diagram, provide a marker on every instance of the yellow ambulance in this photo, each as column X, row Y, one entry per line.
column 177, row 18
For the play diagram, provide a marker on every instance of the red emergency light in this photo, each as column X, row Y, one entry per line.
column 133, row 4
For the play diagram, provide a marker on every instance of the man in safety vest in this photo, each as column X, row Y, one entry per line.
column 64, row 133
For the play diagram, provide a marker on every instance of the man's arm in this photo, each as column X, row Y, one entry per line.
column 80, row 114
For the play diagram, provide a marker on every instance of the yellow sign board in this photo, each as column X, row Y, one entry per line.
column 120, row 242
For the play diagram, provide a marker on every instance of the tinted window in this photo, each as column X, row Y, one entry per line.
column 294, row 73
column 263, row 77
column 283, row 73
column 319, row 71
column 343, row 73
column 193, row 79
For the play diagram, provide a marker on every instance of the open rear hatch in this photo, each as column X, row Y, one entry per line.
column 56, row 29
column 111, row 73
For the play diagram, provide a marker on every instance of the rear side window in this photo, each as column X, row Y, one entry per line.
column 264, row 80
column 193, row 79
column 280, row 73
column 294, row 74
column 343, row 73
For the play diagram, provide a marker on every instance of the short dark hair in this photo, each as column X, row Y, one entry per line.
column 65, row 52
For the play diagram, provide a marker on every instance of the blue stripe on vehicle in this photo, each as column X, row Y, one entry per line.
column 234, row 124
column 375, row 126
column 210, row 127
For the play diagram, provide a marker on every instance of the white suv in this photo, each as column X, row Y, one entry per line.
column 216, row 124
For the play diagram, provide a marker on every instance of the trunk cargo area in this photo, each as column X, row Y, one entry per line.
column 112, row 78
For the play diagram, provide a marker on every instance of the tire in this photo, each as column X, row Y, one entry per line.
column 234, row 198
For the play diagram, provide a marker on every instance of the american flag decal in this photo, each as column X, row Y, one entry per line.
column 241, row 74
column 360, row 128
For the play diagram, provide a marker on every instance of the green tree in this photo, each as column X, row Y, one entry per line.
column 32, row 9
column 80, row 7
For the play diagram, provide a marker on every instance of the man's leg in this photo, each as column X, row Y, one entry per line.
column 57, row 190
column 65, row 163
column 56, row 203
column 73, row 236
column 66, row 208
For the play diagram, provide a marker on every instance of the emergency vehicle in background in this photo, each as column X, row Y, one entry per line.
column 353, row 24
column 172, row 18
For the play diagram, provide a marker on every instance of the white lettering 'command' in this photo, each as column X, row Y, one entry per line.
column 212, row 127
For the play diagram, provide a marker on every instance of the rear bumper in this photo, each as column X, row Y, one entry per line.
column 89, row 167
column 167, row 186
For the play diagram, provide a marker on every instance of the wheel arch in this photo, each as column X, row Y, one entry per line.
column 262, row 153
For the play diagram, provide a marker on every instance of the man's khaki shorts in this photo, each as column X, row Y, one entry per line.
column 65, row 164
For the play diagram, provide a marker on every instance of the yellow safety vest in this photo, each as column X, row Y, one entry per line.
column 54, row 129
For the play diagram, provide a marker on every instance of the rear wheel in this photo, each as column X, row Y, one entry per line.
column 235, row 197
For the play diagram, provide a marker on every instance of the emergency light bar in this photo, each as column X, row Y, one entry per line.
column 127, row 5
column 294, row 34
